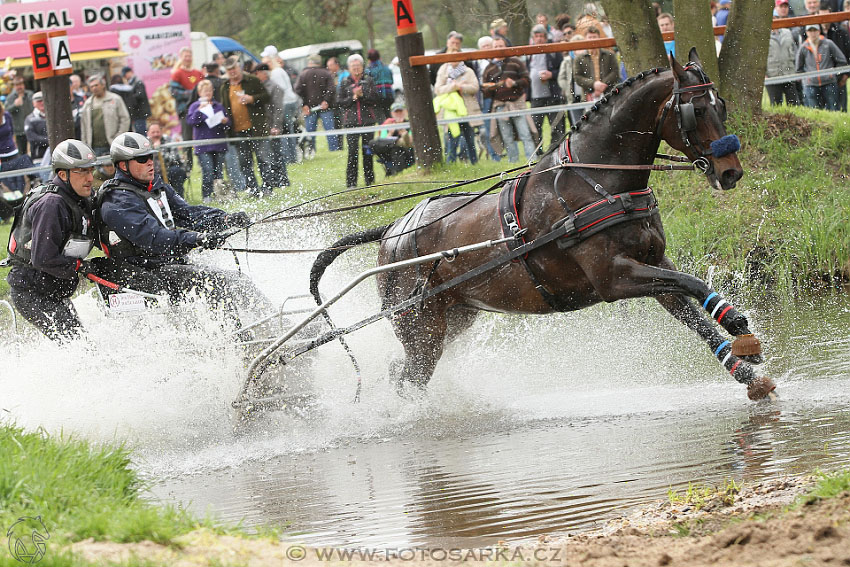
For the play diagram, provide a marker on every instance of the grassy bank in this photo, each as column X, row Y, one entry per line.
column 784, row 225
column 79, row 491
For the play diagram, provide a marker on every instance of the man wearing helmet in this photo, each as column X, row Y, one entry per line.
column 146, row 230
column 51, row 236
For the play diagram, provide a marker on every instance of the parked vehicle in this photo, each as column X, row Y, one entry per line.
column 204, row 47
column 297, row 56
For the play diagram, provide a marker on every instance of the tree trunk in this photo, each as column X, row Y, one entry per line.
column 743, row 58
column 693, row 29
column 637, row 34
column 515, row 12
column 370, row 21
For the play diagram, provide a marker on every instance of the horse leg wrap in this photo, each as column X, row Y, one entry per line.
column 726, row 315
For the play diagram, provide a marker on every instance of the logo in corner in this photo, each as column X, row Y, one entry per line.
column 27, row 539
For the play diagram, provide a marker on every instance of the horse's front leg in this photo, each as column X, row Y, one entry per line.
column 636, row 279
column 670, row 288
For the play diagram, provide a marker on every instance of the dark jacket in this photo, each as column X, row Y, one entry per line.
column 50, row 272
column 553, row 65
column 498, row 71
column 139, row 106
column 828, row 56
column 257, row 109
column 7, row 135
column 123, row 211
column 315, row 85
column 35, row 127
column 358, row 112
column 609, row 70
column 19, row 113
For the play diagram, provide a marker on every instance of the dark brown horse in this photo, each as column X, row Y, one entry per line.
column 612, row 247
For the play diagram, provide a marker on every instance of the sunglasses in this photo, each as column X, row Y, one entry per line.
column 143, row 159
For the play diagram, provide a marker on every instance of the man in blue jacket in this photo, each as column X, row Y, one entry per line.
column 51, row 236
column 147, row 229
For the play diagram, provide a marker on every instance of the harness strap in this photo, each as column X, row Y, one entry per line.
column 508, row 210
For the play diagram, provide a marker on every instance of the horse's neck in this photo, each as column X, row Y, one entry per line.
column 625, row 131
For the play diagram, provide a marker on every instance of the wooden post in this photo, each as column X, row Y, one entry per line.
column 57, row 106
column 51, row 60
column 417, row 87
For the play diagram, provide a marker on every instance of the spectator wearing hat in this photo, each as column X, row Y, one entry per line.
column 139, row 106
column 839, row 36
column 19, row 106
column 10, row 157
column 317, row 90
column 394, row 147
column 356, row 96
column 245, row 100
column 282, row 78
column 35, row 128
column 544, row 90
column 454, row 44
column 382, row 77
column 499, row 30
column 781, row 60
column 818, row 53
column 274, row 117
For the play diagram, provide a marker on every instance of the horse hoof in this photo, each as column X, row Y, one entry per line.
column 746, row 345
column 761, row 388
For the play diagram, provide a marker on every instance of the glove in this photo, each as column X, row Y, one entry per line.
column 84, row 267
column 210, row 240
column 237, row 220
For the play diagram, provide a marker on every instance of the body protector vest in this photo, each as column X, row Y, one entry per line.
column 113, row 245
column 79, row 242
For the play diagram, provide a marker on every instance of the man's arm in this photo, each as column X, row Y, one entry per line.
column 51, row 225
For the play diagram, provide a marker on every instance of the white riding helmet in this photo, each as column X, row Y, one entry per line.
column 128, row 146
column 72, row 154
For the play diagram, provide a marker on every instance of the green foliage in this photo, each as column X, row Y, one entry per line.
column 828, row 486
column 695, row 495
column 81, row 491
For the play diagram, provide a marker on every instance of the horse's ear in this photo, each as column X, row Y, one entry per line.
column 678, row 70
column 693, row 57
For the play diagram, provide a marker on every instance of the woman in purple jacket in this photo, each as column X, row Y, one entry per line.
column 211, row 156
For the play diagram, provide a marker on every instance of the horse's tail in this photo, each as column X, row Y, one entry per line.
column 326, row 258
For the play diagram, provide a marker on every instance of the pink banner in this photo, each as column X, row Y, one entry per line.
column 17, row 21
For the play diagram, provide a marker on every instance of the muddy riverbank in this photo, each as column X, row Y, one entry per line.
column 750, row 525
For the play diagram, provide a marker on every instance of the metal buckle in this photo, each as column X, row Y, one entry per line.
column 510, row 220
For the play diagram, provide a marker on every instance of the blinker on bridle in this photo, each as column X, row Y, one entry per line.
column 687, row 120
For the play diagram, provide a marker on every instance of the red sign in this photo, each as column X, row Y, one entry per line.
column 42, row 65
column 405, row 21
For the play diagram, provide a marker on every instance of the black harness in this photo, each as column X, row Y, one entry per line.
column 686, row 115
column 578, row 225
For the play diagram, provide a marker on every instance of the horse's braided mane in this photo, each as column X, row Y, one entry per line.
column 605, row 99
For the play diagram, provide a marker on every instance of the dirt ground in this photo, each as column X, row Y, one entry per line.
column 754, row 527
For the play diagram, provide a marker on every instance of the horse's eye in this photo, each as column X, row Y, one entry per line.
column 699, row 111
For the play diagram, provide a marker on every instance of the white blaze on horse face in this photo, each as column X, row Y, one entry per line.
column 711, row 98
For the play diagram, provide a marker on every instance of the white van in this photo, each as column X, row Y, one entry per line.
column 297, row 56
column 204, row 47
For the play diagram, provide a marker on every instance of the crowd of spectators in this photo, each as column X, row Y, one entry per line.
column 226, row 99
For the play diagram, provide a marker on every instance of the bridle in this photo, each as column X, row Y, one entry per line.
column 686, row 115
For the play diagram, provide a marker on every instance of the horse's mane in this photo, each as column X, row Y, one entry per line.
column 600, row 104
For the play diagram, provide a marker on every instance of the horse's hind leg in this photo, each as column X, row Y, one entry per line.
column 684, row 310
column 422, row 333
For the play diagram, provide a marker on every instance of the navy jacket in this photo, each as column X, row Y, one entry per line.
column 51, row 273
column 129, row 216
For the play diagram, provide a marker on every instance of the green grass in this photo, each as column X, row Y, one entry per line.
column 80, row 491
column 828, row 486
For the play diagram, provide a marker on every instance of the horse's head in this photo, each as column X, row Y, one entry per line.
column 692, row 122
